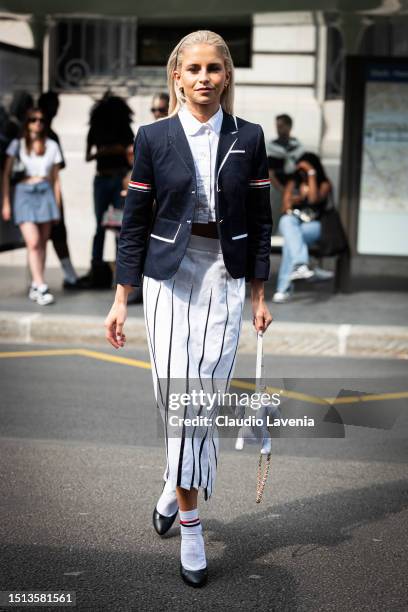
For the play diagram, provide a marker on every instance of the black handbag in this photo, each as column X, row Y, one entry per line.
column 333, row 239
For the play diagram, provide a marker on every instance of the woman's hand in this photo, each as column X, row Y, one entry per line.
column 6, row 211
column 304, row 165
column 6, row 207
column 262, row 318
column 116, row 318
column 114, row 323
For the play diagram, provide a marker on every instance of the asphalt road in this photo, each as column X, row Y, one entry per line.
column 81, row 462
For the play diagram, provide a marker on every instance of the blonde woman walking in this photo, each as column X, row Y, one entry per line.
column 208, row 233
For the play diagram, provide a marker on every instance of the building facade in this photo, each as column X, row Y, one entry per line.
column 290, row 62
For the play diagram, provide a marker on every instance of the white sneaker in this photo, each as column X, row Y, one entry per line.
column 44, row 297
column 301, row 272
column 280, row 297
column 33, row 293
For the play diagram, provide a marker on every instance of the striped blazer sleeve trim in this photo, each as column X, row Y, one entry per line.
column 137, row 215
column 260, row 183
column 140, row 186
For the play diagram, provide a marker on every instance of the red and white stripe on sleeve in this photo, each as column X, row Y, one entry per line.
column 135, row 185
column 260, row 183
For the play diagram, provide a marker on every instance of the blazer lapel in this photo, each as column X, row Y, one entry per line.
column 179, row 142
column 228, row 136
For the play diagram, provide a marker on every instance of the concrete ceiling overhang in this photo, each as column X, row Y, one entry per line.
column 210, row 8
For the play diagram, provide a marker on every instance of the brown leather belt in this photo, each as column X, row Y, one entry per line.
column 208, row 230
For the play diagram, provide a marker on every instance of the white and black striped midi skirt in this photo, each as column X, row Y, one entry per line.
column 193, row 322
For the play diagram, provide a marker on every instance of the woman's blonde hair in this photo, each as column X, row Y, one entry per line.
column 196, row 38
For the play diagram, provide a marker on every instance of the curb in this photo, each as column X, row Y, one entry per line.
column 297, row 339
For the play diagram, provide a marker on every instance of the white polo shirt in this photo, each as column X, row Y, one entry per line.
column 203, row 140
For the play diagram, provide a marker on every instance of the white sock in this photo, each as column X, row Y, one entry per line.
column 43, row 287
column 192, row 542
column 167, row 504
column 69, row 273
column 34, row 285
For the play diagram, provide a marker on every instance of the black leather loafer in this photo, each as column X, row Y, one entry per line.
column 162, row 523
column 196, row 579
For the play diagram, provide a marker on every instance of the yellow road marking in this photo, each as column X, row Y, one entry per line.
column 350, row 399
column 136, row 363
column 41, row 353
column 374, row 397
column 240, row 384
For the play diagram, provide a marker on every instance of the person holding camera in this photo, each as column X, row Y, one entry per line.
column 304, row 200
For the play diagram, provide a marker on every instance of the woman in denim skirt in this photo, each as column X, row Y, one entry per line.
column 37, row 196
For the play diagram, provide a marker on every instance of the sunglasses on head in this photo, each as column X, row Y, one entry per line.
column 158, row 110
column 35, row 119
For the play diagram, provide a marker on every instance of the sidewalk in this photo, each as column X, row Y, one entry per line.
column 367, row 322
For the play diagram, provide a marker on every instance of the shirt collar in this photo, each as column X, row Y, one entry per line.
column 192, row 126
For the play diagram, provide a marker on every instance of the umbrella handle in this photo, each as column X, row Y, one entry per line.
column 259, row 360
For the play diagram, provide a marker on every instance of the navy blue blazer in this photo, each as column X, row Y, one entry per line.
column 162, row 195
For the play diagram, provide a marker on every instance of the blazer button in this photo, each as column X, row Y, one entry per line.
column 193, row 191
column 221, row 220
column 188, row 221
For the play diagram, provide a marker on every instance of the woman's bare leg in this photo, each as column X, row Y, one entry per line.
column 187, row 499
column 45, row 233
column 33, row 240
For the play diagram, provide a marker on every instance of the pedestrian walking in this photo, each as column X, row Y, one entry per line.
column 48, row 102
column 208, row 233
column 109, row 138
column 37, row 196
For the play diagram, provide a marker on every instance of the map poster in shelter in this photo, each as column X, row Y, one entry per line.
column 383, row 210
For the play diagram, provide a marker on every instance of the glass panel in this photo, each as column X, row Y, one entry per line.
column 383, row 210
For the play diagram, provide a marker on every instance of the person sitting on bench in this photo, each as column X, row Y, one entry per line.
column 304, row 200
